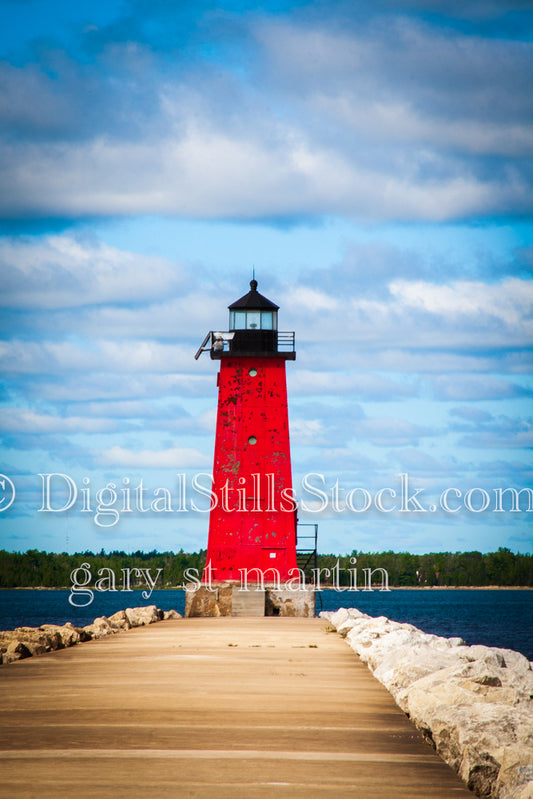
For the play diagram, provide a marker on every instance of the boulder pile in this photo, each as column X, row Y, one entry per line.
column 23, row 642
column 474, row 704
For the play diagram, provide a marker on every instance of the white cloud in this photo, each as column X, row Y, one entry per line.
column 27, row 421
column 63, row 272
column 379, row 120
column 188, row 315
column 510, row 300
column 402, row 63
column 401, row 123
column 127, row 409
column 474, row 387
column 174, row 458
column 109, row 386
column 472, row 414
column 310, row 299
column 49, row 357
column 501, row 439
column 419, row 462
column 208, row 174
column 386, row 432
column 309, row 432
column 416, row 315
column 358, row 385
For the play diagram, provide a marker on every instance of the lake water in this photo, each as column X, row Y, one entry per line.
column 480, row 616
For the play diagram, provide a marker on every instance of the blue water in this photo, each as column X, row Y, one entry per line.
column 480, row 616
column 31, row 607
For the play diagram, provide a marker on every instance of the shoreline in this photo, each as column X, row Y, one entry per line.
column 324, row 587
column 461, row 588
column 29, row 641
column 92, row 587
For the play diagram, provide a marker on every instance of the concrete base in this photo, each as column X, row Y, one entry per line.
column 229, row 599
column 286, row 602
column 208, row 602
column 248, row 603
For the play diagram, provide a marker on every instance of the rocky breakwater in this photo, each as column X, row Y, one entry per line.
column 24, row 642
column 474, row 704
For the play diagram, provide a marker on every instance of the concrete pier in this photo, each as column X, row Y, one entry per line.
column 203, row 707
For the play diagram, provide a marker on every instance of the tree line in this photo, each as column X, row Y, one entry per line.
column 53, row 570
column 503, row 568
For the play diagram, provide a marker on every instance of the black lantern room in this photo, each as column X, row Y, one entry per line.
column 253, row 330
column 254, row 319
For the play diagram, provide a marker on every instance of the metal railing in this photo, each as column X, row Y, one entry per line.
column 285, row 343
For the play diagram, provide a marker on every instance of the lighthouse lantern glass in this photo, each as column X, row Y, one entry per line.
column 266, row 320
column 238, row 320
column 253, row 320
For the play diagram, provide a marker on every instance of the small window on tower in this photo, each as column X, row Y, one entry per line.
column 252, row 440
column 252, row 372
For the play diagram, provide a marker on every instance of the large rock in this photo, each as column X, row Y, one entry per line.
column 100, row 627
column 138, row 617
column 473, row 703
column 345, row 619
column 27, row 641
column 36, row 640
column 515, row 780
column 120, row 620
column 411, row 662
column 39, row 640
column 68, row 634
column 16, row 650
column 171, row 614
column 477, row 739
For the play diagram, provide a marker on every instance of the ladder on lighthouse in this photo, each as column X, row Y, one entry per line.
column 306, row 550
column 307, row 553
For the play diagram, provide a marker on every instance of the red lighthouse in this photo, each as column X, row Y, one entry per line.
column 252, row 524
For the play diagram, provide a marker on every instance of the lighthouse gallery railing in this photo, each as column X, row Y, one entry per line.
column 285, row 343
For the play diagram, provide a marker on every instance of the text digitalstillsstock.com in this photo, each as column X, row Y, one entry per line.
column 60, row 493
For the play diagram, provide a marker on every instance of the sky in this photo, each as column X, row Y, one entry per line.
column 370, row 160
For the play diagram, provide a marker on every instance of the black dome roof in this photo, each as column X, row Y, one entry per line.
column 253, row 301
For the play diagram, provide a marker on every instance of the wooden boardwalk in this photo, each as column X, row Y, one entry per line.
column 228, row 707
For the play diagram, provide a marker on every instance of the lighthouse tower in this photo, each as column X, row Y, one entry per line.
column 252, row 523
